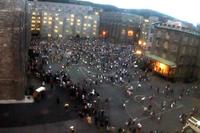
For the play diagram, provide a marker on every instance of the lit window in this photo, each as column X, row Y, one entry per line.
column 37, row 28
column 89, row 25
column 68, row 19
column 55, row 30
column 45, row 18
column 94, row 26
column 32, row 28
column 139, row 42
column 59, row 10
column 50, row 18
column 57, row 18
column 56, row 14
column 78, row 24
column 85, row 25
column 56, row 27
column 44, row 22
column 49, row 22
column 72, row 15
column 95, row 22
column 72, row 20
column 60, row 22
column 33, row 21
column 32, row 25
column 33, row 17
column 38, row 17
column 146, row 20
column 94, row 33
column 33, row 13
column 45, row 13
column 130, row 33
column 96, row 13
column 38, row 21
column 72, row 23
column 138, row 52
column 78, row 20
column 123, row 32
column 85, row 17
column 84, row 28
column 60, row 35
column 49, row 35
column 89, row 17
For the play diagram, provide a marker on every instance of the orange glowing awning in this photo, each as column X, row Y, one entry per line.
column 161, row 60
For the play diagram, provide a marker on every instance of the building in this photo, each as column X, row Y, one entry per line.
column 175, row 51
column 13, row 49
column 119, row 27
column 63, row 20
column 146, row 35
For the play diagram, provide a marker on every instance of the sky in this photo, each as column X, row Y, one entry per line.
column 186, row 10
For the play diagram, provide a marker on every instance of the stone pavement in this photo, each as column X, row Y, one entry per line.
column 58, row 127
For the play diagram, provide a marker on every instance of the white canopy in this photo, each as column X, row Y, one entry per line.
column 40, row 89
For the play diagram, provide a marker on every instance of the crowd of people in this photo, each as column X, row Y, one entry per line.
column 107, row 63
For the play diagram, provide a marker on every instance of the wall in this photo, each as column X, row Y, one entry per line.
column 12, row 49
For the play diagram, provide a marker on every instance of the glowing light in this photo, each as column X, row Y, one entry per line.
column 49, row 35
column 146, row 20
column 144, row 43
column 72, row 15
column 44, row 22
column 104, row 33
column 55, row 30
column 60, row 22
column 45, row 13
column 162, row 66
column 57, row 18
column 49, row 22
column 60, row 36
column 130, row 33
column 138, row 52
column 50, row 18
column 139, row 42
column 96, row 13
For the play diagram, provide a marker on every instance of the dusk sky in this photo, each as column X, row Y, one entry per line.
column 187, row 10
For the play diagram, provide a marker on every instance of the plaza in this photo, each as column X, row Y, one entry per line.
column 112, row 71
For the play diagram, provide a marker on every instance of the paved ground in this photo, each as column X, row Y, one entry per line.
column 58, row 127
column 37, row 116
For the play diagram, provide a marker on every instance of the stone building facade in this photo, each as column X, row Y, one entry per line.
column 119, row 27
column 175, row 51
column 13, row 49
column 64, row 20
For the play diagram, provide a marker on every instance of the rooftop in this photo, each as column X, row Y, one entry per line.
column 178, row 28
